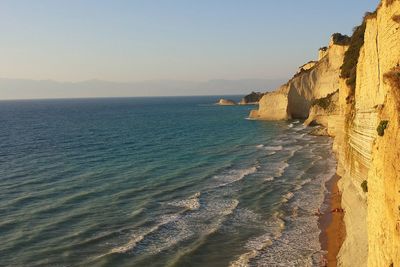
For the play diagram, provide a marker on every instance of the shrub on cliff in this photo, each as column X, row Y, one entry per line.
column 349, row 68
column 389, row 2
column 393, row 78
column 396, row 18
column 371, row 15
column 364, row 186
column 340, row 39
column 381, row 127
column 324, row 102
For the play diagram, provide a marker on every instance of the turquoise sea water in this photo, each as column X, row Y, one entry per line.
column 157, row 182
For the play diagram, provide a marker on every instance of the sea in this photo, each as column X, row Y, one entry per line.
column 172, row 181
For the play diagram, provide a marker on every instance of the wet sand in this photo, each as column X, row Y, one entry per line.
column 332, row 226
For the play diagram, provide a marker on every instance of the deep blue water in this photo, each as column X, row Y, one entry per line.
column 156, row 182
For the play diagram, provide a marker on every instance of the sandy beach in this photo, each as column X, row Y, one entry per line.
column 333, row 230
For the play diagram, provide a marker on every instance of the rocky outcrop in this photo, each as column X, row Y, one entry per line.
column 226, row 102
column 325, row 111
column 272, row 106
column 251, row 99
column 307, row 66
column 314, row 80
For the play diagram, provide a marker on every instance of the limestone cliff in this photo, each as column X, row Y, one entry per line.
column 372, row 218
column 314, row 80
column 364, row 118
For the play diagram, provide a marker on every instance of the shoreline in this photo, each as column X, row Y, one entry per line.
column 333, row 231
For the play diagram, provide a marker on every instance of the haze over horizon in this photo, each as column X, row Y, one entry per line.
column 129, row 42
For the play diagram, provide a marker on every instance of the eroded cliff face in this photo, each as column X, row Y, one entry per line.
column 352, row 116
column 314, row 80
column 380, row 54
column 372, row 218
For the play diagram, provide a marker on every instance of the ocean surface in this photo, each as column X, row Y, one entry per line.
column 157, row 182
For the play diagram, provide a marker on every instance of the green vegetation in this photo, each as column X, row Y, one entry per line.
column 340, row 39
column 371, row 15
column 324, row 102
column 349, row 67
column 381, row 127
column 364, row 186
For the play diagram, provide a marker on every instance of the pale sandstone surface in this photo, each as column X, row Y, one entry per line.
column 226, row 102
column 317, row 80
column 372, row 219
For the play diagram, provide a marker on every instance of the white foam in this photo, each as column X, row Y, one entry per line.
column 234, row 176
column 259, row 146
column 250, row 119
column 269, row 179
column 274, row 148
column 192, row 203
column 136, row 238
column 287, row 197
column 290, row 125
column 281, row 169
column 256, row 245
column 299, row 244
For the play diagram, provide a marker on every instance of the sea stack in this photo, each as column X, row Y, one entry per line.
column 226, row 102
column 251, row 99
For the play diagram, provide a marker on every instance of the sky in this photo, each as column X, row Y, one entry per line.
column 185, row 40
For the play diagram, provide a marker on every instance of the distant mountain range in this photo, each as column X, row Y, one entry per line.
column 28, row 89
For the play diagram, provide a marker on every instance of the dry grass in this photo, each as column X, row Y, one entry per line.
column 371, row 15
column 349, row 67
column 389, row 2
column 340, row 39
column 393, row 79
column 325, row 102
column 396, row 18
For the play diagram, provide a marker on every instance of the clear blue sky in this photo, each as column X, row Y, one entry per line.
column 123, row 40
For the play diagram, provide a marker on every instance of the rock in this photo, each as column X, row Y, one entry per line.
column 320, row 131
column 251, row 99
column 226, row 102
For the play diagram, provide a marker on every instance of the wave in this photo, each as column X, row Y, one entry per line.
column 288, row 196
column 234, row 176
column 172, row 229
column 192, row 203
column 273, row 148
column 258, row 244
column 299, row 243
column 269, row 179
column 136, row 238
column 281, row 169
column 259, row 146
